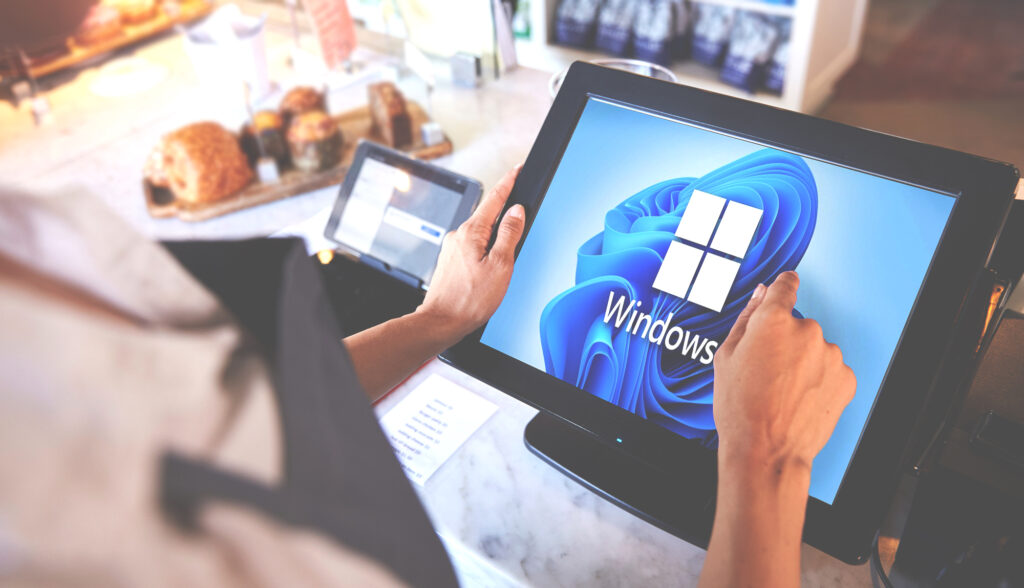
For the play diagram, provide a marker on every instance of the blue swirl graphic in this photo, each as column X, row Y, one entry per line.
column 665, row 386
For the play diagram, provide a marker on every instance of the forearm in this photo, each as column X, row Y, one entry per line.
column 386, row 354
column 758, row 522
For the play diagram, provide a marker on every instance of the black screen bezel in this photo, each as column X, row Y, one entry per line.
column 846, row 528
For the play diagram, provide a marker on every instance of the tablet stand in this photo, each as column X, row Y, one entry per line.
column 669, row 500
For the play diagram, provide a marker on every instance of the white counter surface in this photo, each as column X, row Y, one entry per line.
column 510, row 519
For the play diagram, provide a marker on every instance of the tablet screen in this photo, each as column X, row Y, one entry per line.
column 398, row 217
column 653, row 234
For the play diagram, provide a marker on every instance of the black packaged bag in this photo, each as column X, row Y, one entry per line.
column 751, row 46
column 615, row 26
column 775, row 77
column 711, row 33
column 652, row 32
column 576, row 22
column 682, row 34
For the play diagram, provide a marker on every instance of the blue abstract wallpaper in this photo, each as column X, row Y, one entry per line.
column 668, row 388
column 861, row 243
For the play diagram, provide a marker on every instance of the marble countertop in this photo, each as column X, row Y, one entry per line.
column 509, row 519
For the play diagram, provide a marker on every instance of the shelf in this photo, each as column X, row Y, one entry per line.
column 755, row 6
column 555, row 58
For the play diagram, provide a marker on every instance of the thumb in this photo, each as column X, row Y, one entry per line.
column 509, row 232
column 740, row 326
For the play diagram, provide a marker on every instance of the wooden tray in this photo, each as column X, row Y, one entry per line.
column 189, row 10
column 355, row 125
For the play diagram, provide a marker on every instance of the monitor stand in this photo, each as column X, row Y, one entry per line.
column 666, row 500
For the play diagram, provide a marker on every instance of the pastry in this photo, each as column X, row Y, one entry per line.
column 299, row 100
column 315, row 141
column 391, row 119
column 171, row 8
column 203, row 163
column 266, row 127
column 101, row 23
column 134, row 11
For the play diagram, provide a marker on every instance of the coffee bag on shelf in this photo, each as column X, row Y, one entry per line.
column 615, row 27
column 653, row 31
column 775, row 77
column 751, row 45
column 711, row 33
column 576, row 22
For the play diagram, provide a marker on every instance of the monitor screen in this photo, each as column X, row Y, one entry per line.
column 652, row 236
column 398, row 217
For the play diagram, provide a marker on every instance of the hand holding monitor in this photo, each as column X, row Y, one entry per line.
column 471, row 280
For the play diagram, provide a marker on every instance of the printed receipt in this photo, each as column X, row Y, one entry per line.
column 429, row 424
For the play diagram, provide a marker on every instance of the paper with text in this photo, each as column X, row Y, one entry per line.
column 426, row 427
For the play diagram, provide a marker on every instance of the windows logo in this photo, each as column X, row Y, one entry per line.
column 698, row 272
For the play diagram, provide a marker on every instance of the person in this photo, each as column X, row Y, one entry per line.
column 137, row 387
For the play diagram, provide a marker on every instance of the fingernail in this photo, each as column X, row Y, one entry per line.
column 758, row 293
column 517, row 211
column 520, row 165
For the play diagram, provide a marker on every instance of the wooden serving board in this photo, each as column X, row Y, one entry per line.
column 355, row 124
column 189, row 10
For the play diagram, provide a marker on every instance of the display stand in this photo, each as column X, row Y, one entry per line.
column 669, row 500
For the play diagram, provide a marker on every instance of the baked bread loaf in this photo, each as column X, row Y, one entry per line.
column 299, row 100
column 155, row 170
column 390, row 117
column 315, row 141
column 203, row 163
column 101, row 23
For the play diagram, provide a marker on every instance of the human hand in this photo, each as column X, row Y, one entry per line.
column 470, row 281
column 779, row 391
column 779, row 386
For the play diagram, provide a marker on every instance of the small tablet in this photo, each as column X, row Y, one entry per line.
column 393, row 211
column 655, row 209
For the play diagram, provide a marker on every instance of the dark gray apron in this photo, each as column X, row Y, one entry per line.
column 341, row 478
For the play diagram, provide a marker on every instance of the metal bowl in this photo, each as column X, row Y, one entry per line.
column 644, row 68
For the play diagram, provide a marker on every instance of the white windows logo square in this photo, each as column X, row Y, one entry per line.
column 699, row 272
